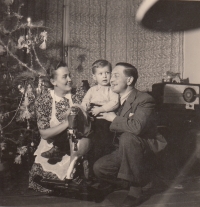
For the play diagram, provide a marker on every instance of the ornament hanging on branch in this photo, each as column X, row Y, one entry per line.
column 8, row 3
column 30, row 37
column 43, row 37
column 21, row 42
column 29, row 40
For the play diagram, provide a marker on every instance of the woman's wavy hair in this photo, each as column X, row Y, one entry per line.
column 52, row 71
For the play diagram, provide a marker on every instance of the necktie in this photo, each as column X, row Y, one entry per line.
column 120, row 108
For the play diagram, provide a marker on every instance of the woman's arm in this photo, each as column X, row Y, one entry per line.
column 43, row 109
column 53, row 131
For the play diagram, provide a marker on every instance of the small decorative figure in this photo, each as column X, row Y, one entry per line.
column 21, row 151
column 171, row 77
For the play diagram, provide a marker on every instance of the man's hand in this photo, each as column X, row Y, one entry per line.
column 96, row 110
column 110, row 116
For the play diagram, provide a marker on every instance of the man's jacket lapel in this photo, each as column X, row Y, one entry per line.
column 128, row 103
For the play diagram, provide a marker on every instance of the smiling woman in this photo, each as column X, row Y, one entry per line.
column 61, row 79
column 52, row 110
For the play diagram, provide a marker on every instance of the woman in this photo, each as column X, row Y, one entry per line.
column 52, row 110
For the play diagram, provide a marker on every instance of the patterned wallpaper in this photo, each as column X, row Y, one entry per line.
column 108, row 29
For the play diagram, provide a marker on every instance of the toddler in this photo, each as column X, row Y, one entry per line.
column 98, row 99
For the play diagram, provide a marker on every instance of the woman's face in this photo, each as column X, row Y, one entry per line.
column 62, row 79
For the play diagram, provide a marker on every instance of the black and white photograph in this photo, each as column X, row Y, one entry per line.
column 100, row 103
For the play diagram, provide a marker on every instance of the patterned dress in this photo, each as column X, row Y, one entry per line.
column 43, row 107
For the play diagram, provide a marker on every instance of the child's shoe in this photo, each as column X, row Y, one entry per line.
column 54, row 152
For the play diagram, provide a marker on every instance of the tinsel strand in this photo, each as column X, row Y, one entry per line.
column 37, row 59
column 19, row 61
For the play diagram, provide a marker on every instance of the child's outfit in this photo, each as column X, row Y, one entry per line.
column 102, row 137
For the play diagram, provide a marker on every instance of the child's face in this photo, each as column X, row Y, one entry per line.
column 102, row 76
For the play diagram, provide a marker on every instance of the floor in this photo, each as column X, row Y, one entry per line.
column 186, row 194
column 174, row 185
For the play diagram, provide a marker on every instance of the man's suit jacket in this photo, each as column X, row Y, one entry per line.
column 137, row 116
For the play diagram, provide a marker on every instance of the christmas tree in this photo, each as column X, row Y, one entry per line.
column 22, row 79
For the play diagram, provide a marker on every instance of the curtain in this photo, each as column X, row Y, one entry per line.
column 107, row 29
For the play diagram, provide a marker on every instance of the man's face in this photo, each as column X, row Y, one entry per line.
column 118, row 80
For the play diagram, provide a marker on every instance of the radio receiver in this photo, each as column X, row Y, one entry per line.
column 172, row 93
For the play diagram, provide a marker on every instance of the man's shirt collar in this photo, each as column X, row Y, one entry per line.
column 124, row 97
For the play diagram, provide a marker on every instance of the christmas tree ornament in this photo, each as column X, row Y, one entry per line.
column 43, row 37
column 4, row 76
column 21, row 42
column 27, row 37
column 39, row 88
column 21, row 88
column 21, row 152
column 18, row 159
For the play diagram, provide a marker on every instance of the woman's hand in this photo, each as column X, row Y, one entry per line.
column 88, row 106
column 66, row 114
column 49, row 133
column 110, row 116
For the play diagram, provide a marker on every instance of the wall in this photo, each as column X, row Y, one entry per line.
column 192, row 56
column 107, row 29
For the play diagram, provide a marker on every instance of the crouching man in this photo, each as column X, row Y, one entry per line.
column 130, row 165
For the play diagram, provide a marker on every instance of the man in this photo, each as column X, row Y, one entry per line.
column 129, row 165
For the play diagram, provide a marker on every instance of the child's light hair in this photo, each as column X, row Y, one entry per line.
column 100, row 64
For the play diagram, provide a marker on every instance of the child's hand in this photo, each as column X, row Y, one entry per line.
column 96, row 110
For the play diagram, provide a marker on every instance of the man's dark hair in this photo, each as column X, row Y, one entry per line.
column 100, row 64
column 129, row 71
